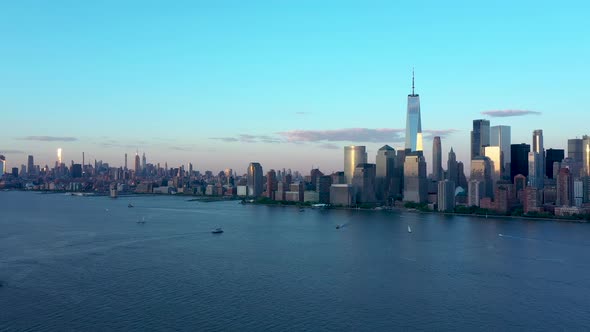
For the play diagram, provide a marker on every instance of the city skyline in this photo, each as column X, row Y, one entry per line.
column 287, row 94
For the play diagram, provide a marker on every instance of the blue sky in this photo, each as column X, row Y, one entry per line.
column 220, row 84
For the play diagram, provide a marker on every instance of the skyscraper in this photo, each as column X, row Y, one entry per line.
column 2, row 165
column 586, row 155
column 480, row 137
column 59, row 156
column 385, row 171
column 565, row 188
column 437, row 170
column 519, row 154
column 143, row 162
column 30, row 166
column 137, row 169
column 481, row 170
column 415, row 181
column 271, row 184
column 535, row 178
column 364, row 183
column 125, row 161
column 452, row 171
column 552, row 156
column 413, row 122
column 255, row 180
column 495, row 155
column 574, row 149
column 446, row 195
column 500, row 136
column 353, row 155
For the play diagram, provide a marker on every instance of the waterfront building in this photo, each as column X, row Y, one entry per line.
column 415, row 181
column 271, row 184
column 364, row 183
column 536, row 171
column 574, row 149
column 255, row 180
column 503, row 196
column 480, row 137
column 446, row 196
column 385, row 171
column 538, row 176
column 342, row 195
column 413, row 122
column 501, row 136
column 76, row 171
column 437, row 170
column 532, row 200
column 586, row 156
column 519, row 155
column 494, row 153
column 475, row 192
column 30, row 166
column 323, row 188
column 481, row 170
column 565, row 188
column 353, row 155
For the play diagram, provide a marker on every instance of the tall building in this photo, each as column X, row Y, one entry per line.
column 353, row 155
column 59, row 160
column 586, row 155
column 2, row 165
column 452, row 171
column 481, row 170
column 30, row 166
column 552, row 156
column 536, row 173
column 540, row 165
column 462, row 179
column 137, row 166
column 255, row 180
column 476, row 189
column 76, row 171
column 125, row 161
column 500, row 136
column 565, row 188
column 143, row 162
column 446, row 196
column 480, row 137
column 496, row 160
column 385, row 171
column 574, row 149
column 437, row 170
column 364, row 183
column 323, row 188
column 413, row 122
column 519, row 154
column 415, row 181
column 271, row 184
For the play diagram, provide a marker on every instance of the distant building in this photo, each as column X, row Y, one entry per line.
column 476, row 191
column 342, row 195
column 385, row 171
column 574, row 149
column 364, row 183
column 413, row 122
column 565, row 188
column 553, row 156
column 323, row 188
column 295, row 193
column 519, row 160
column 496, row 161
column 271, row 184
column 2, row 165
column 536, row 170
column 586, row 156
column 480, row 137
column 481, row 170
column 255, row 180
column 452, row 171
column 437, row 170
column 500, row 136
column 446, row 196
column 504, row 196
column 30, row 166
column 77, row 171
column 353, row 155
column 532, row 202
column 415, row 181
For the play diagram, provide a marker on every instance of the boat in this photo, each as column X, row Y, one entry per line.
column 217, row 230
column 142, row 221
column 130, row 205
column 409, row 229
column 339, row 226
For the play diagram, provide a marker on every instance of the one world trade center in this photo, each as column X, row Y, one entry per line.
column 413, row 122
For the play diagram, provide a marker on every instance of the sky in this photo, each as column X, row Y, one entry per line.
column 284, row 83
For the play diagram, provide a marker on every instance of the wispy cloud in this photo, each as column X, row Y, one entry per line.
column 379, row 135
column 10, row 151
column 439, row 132
column 225, row 139
column 329, row 146
column 247, row 138
column 111, row 143
column 49, row 138
column 508, row 113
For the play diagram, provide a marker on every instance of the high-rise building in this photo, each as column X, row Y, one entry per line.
column 574, row 149
column 496, row 160
column 446, row 196
column 475, row 190
column 59, row 156
column 536, row 173
column 364, row 183
column 143, row 162
column 137, row 165
column 2, row 165
column 462, row 179
column 519, row 155
column 539, row 149
column 30, row 166
column 271, row 184
column 481, row 170
column 565, row 188
column 480, row 137
column 255, row 180
column 452, row 172
column 552, row 156
column 76, row 171
column 353, row 155
column 437, row 170
column 323, row 188
column 586, row 155
column 500, row 136
column 125, row 161
column 413, row 122
column 415, row 181
column 385, row 171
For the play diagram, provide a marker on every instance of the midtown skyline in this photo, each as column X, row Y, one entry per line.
column 214, row 89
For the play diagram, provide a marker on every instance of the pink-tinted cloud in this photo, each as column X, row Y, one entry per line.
column 379, row 135
column 507, row 113
column 439, row 132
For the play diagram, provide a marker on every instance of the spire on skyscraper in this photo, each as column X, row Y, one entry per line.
column 413, row 94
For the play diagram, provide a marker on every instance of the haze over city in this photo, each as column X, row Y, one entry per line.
column 220, row 86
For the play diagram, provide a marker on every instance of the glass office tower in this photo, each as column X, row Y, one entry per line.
column 413, row 122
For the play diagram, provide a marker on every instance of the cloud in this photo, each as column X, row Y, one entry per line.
column 225, row 139
column 379, row 135
column 247, row 138
column 439, row 132
column 49, row 138
column 329, row 146
column 10, row 151
column 507, row 113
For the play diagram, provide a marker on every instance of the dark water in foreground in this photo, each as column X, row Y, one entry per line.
column 66, row 263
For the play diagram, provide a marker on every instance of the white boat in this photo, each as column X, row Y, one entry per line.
column 409, row 229
column 217, row 230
